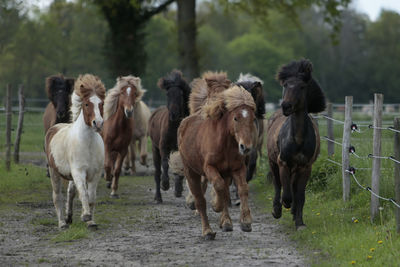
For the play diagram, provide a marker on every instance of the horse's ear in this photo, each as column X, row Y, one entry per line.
column 160, row 83
column 70, row 85
column 256, row 84
column 305, row 69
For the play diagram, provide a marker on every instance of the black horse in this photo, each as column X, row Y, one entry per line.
column 293, row 138
column 254, row 86
column 163, row 126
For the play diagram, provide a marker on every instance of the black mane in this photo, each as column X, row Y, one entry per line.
column 251, row 87
column 302, row 70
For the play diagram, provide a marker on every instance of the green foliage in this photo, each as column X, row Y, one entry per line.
column 321, row 171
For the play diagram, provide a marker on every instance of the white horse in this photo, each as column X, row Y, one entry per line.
column 75, row 151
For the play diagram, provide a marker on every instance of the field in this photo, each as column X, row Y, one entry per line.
column 337, row 234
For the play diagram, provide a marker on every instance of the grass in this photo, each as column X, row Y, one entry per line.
column 338, row 233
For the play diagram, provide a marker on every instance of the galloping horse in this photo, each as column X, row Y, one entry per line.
column 75, row 151
column 213, row 143
column 293, row 138
column 253, row 85
column 163, row 126
column 119, row 125
column 59, row 90
column 141, row 113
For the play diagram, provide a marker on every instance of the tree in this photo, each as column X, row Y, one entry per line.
column 125, row 44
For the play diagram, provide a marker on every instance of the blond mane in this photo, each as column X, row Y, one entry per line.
column 206, row 87
column 227, row 101
column 111, row 101
column 85, row 86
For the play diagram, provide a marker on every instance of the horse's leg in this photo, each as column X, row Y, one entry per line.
column 58, row 198
column 189, row 196
column 194, row 182
column 126, row 165
column 157, row 173
column 143, row 150
column 251, row 167
column 132, row 154
column 218, row 182
column 92, row 187
column 108, row 167
column 225, row 221
column 81, row 185
column 277, row 204
column 165, row 167
column 300, row 183
column 243, row 189
column 71, row 192
column 284, row 174
column 117, row 172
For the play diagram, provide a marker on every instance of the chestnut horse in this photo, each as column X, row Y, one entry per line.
column 163, row 126
column 75, row 151
column 141, row 113
column 293, row 138
column 59, row 90
column 118, row 126
column 213, row 144
column 253, row 85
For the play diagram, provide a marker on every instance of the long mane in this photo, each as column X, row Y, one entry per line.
column 86, row 86
column 206, row 87
column 175, row 79
column 111, row 101
column 302, row 69
column 226, row 101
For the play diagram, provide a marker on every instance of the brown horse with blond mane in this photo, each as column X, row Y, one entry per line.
column 118, row 126
column 213, row 143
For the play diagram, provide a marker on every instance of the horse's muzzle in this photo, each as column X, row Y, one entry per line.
column 128, row 113
column 97, row 125
column 244, row 150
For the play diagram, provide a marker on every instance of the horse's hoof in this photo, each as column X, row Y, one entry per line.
column 246, row 227
column 236, row 202
column 69, row 219
column 287, row 204
column 301, row 227
column 227, row 227
column 209, row 236
column 216, row 208
column 191, row 205
column 92, row 226
column 114, row 196
column 165, row 185
column 158, row 200
column 108, row 185
column 64, row 227
column 277, row 213
column 86, row 217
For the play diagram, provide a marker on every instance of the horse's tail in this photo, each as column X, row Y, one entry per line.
column 176, row 164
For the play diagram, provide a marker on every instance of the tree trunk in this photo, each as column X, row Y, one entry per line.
column 187, row 31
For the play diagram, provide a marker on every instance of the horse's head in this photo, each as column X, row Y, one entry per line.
column 300, row 91
column 59, row 91
column 90, row 92
column 129, row 96
column 254, row 87
column 243, row 127
column 177, row 95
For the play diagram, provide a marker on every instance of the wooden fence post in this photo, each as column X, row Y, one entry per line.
column 331, row 145
column 397, row 171
column 376, row 162
column 346, row 146
column 8, row 127
column 20, row 122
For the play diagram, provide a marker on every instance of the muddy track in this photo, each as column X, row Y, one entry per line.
column 133, row 231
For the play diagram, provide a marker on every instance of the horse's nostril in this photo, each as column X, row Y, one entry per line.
column 242, row 147
column 94, row 123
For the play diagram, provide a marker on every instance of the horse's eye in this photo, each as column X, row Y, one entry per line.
column 235, row 118
column 86, row 104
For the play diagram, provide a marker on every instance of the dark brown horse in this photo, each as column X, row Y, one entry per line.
column 59, row 90
column 213, row 143
column 163, row 126
column 118, row 126
column 293, row 138
column 254, row 86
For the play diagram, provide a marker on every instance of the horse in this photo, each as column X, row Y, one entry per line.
column 213, row 144
column 163, row 126
column 59, row 90
column 293, row 139
column 253, row 85
column 141, row 113
column 119, row 126
column 75, row 151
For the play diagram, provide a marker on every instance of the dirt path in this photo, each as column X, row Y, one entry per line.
column 135, row 232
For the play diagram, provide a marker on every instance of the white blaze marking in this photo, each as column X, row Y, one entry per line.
column 128, row 91
column 244, row 113
column 96, row 101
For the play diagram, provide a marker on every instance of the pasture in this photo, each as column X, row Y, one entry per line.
column 135, row 231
